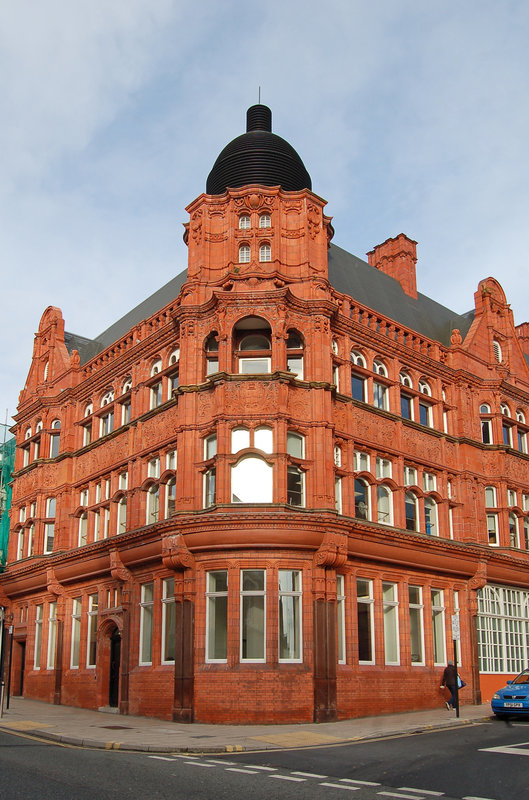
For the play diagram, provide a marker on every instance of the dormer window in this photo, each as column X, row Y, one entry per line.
column 265, row 221
column 244, row 222
column 244, row 254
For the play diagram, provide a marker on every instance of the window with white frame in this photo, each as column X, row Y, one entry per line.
column 295, row 444
column 511, row 497
column 156, row 394
column 20, row 544
column 295, row 347
column 337, row 456
column 254, row 354
column 290, row 627
column 91, row 643
column 252, row 481
column 153, row 468
column 503, row 629
column 380, row 396
column 168, row 621
column 171, row 460
column 76, row 633
column 486, row 424
column 410, row 476
column 210, row 447
column 416, row 617
column 490, row 496
column 366, row 633
column 174, row 358
column 411, row 511
column 107, row 398
column 122, row 514
column 153, row 504
column 55, row 438
column 425, row 414
column 156, row 367
column 429, row 482
column 263, row 439
column 244, row 254
column 361, row 489
column 384, row 505
column 106, row 423
column 360, row 461
column 338, row 494
column 265, row 221
column 438, row 627
column 295, row 486
column 340, row 617
column 170, row 498
column 405, row 379
column 265, row 252
column 39, row 616
column 123, row 481
column 390, row 603
column 146, row 621
column 496, row 349
column 492, row 529
column 240, row 439
column 83, row 529
column 253, row 615
column 431, row 517
column 210, row 487
column 514, row 538
column 244, row 222
column 52, row 634
column 217, row 616
column 211, row 348
column 379, row 368
column 383, row 467
column 358, row 381
column 424, row 387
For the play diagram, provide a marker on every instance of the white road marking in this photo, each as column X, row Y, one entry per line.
column 287, row 778
column 514, row 750
column 200, row 764
column 265, row 769
column 177, row 755
column 161, row 758
column 238, row 769
column 221, row 761
column 309, row 775
column 471, row 797
column 361, row 783
column 420, row 791
column 341, row 786
column 401, row 796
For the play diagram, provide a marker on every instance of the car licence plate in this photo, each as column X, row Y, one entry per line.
column 513, row 705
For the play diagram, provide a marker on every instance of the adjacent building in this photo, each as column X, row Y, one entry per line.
column 274, row 490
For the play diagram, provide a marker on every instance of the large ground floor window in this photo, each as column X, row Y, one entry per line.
column 503, row 629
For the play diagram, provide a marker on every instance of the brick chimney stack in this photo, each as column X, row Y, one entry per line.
column 397, row 257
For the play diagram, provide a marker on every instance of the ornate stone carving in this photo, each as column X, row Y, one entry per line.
column 117, row 568
column 52, row 584
column 455, row 337
column 175, row 553
column 196, row 226
column 332, row 551
column 479, row 579
column 314, row 218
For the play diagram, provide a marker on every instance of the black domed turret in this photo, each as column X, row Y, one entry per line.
column 258, row 156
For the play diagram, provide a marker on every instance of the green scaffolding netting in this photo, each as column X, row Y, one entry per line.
column 7, row 464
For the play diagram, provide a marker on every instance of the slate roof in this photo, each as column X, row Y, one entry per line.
column 347, row 273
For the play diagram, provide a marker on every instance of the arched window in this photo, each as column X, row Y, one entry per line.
column 107, row 398
column 251, row 481
column 211, row 347
column 384, row 505
column 337, row 455
column 263, row 439
column 28, row 433
column 127, row 385
column 265, row 221
column 496, row 349
column 55, row 438
column 514, row 540
column 410, row 511
column 253, row 349
column 88, row 409
column 424, row 387
column 46, row 370
column 506, row 427
column 122, row 514
column 295, row 353
column 174, row 358
column 486, row 424
column 379, row 368
column 244, row 254
column 334, row 347
column 83, row 529
column 153, row 504
column 170, row 497
column 295, row 444
column 430, row 516
column 156, row 367
column 361, row 499
column 358, row 359
column 38, row 426
column 265, row 252
column 520, row 416
column 405, row 379
column 244, row 222
column 240, row 439
column 505, row 410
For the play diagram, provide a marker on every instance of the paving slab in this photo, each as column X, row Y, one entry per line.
column 110, row 731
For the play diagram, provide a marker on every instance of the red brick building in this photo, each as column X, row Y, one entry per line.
column 263, row 494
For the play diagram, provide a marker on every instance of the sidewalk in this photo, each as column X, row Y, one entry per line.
column 78, row 726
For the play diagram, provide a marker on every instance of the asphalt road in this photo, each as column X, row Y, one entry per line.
column 453, row 764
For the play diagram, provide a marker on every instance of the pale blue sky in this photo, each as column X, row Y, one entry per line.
column 410, row 116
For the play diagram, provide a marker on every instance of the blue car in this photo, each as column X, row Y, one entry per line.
column 513, row 698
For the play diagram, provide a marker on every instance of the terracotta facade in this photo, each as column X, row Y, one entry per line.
column 266, row 500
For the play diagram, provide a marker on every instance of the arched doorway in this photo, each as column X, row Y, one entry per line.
column 114, row 668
